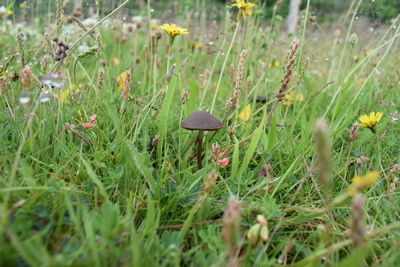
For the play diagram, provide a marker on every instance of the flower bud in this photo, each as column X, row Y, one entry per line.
column 264, row 233
column 353, row 40
column 253, row 234
column 261, row 220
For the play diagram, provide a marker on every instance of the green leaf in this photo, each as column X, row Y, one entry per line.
column 142, row 163
column 235, row 159
column 94, row 178
column 252, row 148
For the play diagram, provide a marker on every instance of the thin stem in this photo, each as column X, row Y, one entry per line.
column 199, row 148
column 224, row 66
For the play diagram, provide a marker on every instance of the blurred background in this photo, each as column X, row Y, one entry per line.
column 326, row 10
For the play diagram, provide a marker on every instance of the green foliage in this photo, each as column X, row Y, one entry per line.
column 126, row 193
column 384, row 10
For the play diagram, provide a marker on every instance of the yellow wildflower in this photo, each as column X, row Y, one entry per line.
column 197, row 46
column 121, row 79
column 172, row 30
column 153, row 26
column 244, row 8
column 5, row 11
column 369, row 121
column 274, row 64
column 290, row 97
column 367, row 53
column 245, row 114
column 362, row 182
column 79, row 112
column 116, row 61
column 64, row 95
column 22, row 5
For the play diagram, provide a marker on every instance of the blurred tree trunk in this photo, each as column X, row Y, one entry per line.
column 293, row 16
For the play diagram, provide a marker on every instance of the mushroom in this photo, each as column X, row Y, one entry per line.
column 201, row 121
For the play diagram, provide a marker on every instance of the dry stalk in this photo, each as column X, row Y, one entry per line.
column 357, row 217
column 231, row 231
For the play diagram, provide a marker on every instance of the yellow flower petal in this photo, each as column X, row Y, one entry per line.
column 288, row 96
column 369, row 121
column 378, row 116
column 121, row 79
column 173, row 30
column 362, row 182
column 245, row 114
column 245, row 8
column 364, row 118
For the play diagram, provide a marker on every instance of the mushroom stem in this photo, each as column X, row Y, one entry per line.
column 199, row 148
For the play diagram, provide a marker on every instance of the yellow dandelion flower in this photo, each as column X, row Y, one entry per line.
column 121, row 79
column 172, row 30
column 22, row 5
column 245, row 114
column 362, row 182
column 9, row 12
column 369, row 121
column 153, row 26
column 244, row 8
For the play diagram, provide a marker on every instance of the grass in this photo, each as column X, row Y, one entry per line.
column 125, row 192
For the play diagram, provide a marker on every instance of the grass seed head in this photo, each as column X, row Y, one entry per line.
column 26, row 77
column 353, row 40
column 185, row 96
column 20, row 45
column 3, row 88
column 249, row 83
column 323, row 151
column 288, row 72
column 240, row 71
column 357, row 217
column 127, row 85
column 353, row 133
column 100, row 78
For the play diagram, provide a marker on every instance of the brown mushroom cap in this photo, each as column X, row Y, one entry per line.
column 201, row 120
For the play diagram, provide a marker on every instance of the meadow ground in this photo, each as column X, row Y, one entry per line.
column 95, row 169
